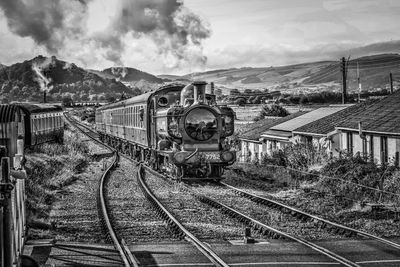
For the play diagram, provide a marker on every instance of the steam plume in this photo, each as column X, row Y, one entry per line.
column 38, row 67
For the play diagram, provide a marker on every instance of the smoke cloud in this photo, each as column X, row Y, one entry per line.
column 39, row 66
column 60, row 27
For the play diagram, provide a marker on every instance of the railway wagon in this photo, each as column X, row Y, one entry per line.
column 33, row 123
column 176, row 129
column 43, row 123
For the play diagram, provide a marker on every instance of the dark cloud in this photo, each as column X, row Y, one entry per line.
column 173, row 28
column 46, row 22
column 60, row 26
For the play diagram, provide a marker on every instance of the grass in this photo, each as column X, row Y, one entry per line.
column 50, row 168
column 308, row 193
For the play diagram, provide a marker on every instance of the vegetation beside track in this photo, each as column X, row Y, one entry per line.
column 53, row 170
column 339, row 190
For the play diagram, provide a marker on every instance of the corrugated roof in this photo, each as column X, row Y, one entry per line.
column 36, row 108
column 257, row 128
column 327, row 124
column 7, row 113
column 309, row 117
column 382, row 116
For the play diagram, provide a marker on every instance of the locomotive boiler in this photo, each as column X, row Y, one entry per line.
column 177, row 129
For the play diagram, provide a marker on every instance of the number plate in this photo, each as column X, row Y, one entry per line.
column 209, row 155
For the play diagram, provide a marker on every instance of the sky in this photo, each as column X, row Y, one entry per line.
column 179, row 37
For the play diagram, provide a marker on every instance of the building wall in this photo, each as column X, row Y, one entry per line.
column 393, row 145
column 377, row 146
column 250, row 151
column 335, row 144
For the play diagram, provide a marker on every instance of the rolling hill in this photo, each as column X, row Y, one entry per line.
column 374, row 73
column 27, row 80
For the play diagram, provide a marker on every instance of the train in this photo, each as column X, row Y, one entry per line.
column 177, row 129
column 33, row 123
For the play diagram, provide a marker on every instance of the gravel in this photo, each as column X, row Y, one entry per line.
column 203, row 221
column 264, row 214
column 132, row 213
column 308, row 199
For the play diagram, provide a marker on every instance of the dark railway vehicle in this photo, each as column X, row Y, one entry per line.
column 33, row 123
column 177, row 129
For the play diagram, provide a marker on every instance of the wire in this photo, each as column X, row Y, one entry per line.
column 371, row 60
column 374, row 66
column 319, row 78
column 336, row 178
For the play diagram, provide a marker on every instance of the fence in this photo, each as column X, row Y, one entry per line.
column 12, row 208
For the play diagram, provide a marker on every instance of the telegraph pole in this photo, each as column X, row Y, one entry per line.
column 344, row 77
column 359, row 84
column 391, row 82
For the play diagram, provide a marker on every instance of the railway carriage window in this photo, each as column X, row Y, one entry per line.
column 134, row 117
column 141, row 114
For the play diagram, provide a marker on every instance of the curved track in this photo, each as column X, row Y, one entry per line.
column 178, row 228
column 119, row 243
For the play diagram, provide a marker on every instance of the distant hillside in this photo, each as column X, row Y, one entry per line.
column 324, row 75
column 374, row 71
column 173, row 78
column 248, row 77
column 131, row 75
column 27, row 80
column 2, row 66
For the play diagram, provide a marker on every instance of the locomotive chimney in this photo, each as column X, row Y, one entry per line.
column 212, row 87
column 44, row 96
column 199, row 91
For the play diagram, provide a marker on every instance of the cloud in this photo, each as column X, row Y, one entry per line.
column 172, row 27
column 60, row 26
column 47, row 23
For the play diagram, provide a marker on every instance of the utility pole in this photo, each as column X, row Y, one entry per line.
column 359, row 84
column 391, row 82
column 344, row 77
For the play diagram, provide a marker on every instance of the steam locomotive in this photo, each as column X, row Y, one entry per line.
column 177, row 129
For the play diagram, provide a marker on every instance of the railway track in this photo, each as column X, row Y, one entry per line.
column 323, row 223
column 260, row 227
column 120, row 245
column 177, row 227
column 255, row 224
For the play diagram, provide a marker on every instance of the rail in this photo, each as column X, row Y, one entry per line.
column 296, row 212
column 176, row 225
column 265, row 229
column 120, row 245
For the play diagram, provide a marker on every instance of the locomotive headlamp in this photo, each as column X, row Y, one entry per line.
column 227, row 156
column 180, row 157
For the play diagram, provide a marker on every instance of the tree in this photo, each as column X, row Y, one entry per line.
column 273, row 110
column 251, row 99
column 248, row 91
column 257, row 100
column 85, row 97
column 303, row 100
column 67, row 101
column 218, row 92
column 234, row 92
column 240, row 101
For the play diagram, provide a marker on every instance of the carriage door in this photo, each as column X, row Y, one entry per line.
column 153, row 123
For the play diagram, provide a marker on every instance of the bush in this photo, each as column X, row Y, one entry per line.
column 240, row 101
column 273, row 110
column 356, row 170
